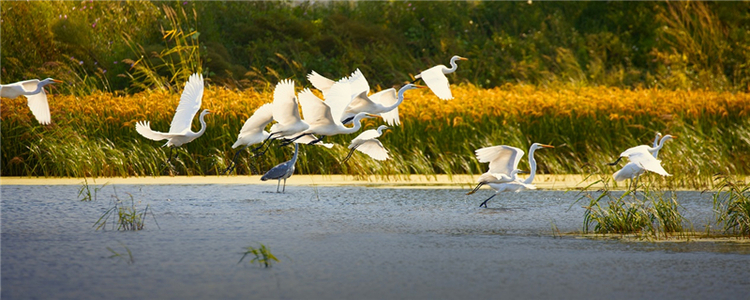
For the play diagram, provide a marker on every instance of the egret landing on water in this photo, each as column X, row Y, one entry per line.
column 34, row 92
column 503, row 169
column 435, row 78
column 179, row 131
column 282, row 171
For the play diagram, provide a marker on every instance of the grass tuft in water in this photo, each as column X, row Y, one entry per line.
column 261, row 255
column 732, row 206
column 84, row 193
column 128, row 259
column 124, row 217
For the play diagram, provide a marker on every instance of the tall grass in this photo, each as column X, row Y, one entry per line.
column 732, row 206
column 95, row 135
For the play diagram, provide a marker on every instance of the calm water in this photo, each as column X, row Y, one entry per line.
column 345, row 242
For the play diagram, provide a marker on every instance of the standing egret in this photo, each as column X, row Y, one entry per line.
column 179, row 131
column 282, row 171
column 34, row 91
column 632, row 170
column 367, row 142
column 253, row 131
column 435, row 78
column 643, row 156
column 503, row 162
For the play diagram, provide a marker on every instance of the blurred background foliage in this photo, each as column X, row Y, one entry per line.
column 130, row 46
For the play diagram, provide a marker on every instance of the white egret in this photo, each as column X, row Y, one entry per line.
column 503, row 162
column 179, row 131
column 385, row 103
column 282, row 171
column 367, row 142
column 643, row 156
column 253, row 131
column 318, row 116
column 285, row 113
column 435, row 78
column 632, row 170
column 34, row 91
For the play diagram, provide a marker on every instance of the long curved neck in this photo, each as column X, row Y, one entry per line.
column 399, row 97
column 296, row 151
column 203, row 125
column 453, row 68
column 39, row 88
column 357, row 125
column 658, row 147
column 656, row 143
column 532, row 165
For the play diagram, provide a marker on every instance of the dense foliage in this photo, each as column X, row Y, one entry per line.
column 94, row 44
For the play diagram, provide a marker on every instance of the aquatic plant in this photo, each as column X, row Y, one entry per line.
column 84, row 192
column 261, row 255
column 124, row 217
column 128, row 259
column 732, row 206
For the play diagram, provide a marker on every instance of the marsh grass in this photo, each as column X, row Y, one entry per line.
column 124, row 216
column 84, row 192
column 732, row 206
column 261, row 255
column 653, row 214
column 127, row 256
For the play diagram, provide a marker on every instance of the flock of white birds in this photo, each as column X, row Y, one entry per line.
column 347, row 100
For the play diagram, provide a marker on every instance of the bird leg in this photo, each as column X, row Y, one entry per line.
column 476, row 189
column 349, row 155
column 317, row 140
column 284, row 188
column 264, row 141
column 287, row 142
column 234, row 160
column 617, row 161
column 485, row 201
column 278, row 184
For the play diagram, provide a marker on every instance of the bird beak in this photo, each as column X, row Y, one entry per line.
column 420, row 86
column 463, row 58
column 57, row 81
column 548, row 146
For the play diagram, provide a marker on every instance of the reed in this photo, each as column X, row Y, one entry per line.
column 261, row 255
column 732, row 206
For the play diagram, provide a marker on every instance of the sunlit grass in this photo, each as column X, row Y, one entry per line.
column 123, row 216
column 732, row 206
column 95, row 135
column 261, row 255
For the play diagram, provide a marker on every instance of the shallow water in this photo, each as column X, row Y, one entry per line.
column 346, row 242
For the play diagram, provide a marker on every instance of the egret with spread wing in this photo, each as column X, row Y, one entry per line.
column 179, row 131
column 253, row 131
column 503, row 168
column 282, row 171
column 643, row 156
column 435, row 78
column 385, row 103
column 632, row 170
column 34, row 91
column 367, row 142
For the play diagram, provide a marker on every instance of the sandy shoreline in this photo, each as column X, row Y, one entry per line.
column 553, row 182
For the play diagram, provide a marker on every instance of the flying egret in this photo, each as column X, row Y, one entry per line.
column 34, row 91
column 632, row 170
column 179, row 131
column 643, row 156
column 503, row 162
column 318, row 116
column 282, row 171
column 367, row 142
column 385, row 103
column 253, row 131
column 435, row 78
column 285, row 113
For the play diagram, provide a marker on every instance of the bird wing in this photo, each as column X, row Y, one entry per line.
column 276, row 172
column 190, row 103
column 338, row 98
column 320, row 82
column 358, row 83
column 260, row 118
column 648, row 162
column 306, row 139
column 631, row 170
column 285, row 107
column 387, row 98
column 437, row 82
column 144, row 129
column 503, row 159
column 369, row 134
column 374, row 149
column 37, row 102
column 317, row 113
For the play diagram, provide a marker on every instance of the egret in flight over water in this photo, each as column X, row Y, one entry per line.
column 367, row 142
column 34, row 91
column 503, row 168
column 282, row 171
column 435, row 78
column 632, row 170
column 643, row 157
column 253, row 131
column 179, row 131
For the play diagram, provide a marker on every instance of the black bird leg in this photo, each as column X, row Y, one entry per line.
column 476, row 188
column 617, row 161
column 485, row 201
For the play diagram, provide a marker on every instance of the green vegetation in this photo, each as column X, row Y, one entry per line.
column 128, row 259
column 261, row 255
column 124, row 217
column 85, row 191
column 732, row 206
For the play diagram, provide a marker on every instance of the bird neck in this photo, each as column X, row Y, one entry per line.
column 39, row 88
column 399, row 97
column 357, row 124
column 655, row 150
column 532, row 166
column 452, row 69
column 656, row 144
column 203, row 124
column 296, row 151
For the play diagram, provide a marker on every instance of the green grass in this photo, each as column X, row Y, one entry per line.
column 732, row 206
column 261, row 255
column 124, row 216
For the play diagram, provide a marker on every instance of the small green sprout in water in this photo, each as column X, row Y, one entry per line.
column 84, row 193
column 125, row 217
column 129, row 259
column 262, row 256
column 732, row 206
